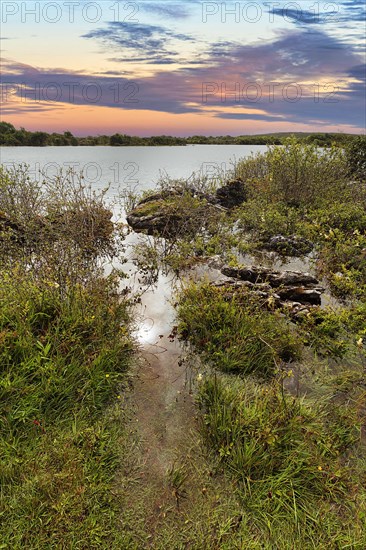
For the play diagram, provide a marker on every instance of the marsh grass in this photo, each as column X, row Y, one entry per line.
column 233, row 332
column 294, row 461
column 65, row 350
column 62, row 359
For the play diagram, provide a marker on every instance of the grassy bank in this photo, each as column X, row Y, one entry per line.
column 65, row 350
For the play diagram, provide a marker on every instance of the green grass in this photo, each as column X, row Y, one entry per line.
column 294, row 461
column 63, row 356
column 233, row 332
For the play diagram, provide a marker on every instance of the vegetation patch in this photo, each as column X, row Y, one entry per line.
column 293, row 460
column 65, row 349
column 233, row 332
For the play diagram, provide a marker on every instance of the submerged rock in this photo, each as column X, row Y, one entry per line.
column 154, row 217
column 301, row 294
column 288, row 289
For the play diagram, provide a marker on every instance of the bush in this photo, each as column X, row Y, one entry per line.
column 342, row 261
column 59, row 213
column 356, row 157
column 297, row 173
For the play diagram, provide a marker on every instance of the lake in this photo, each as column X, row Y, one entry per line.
column 124, row 167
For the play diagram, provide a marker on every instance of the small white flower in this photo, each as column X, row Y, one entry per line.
column 199, row 377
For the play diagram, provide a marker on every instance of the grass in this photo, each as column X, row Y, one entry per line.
column 233, row 332
column 65, row 351
column 63, row 359
column 294, row 462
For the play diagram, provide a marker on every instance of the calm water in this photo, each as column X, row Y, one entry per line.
column 122, row 167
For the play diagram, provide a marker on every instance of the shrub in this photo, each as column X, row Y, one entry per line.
column 356, row 157
column 61, row 210
column 297, row 173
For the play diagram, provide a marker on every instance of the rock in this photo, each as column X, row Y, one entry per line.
column 153, row 218
column 169, row 214
column 255, row 274
column 159, row 196
column 296, row 300
column 290, row 290
column 232, row 194
column 290, row 246
column 301, row 294
column 283, row 278
column 178, row 192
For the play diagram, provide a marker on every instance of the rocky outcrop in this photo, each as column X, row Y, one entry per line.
column 169, row 214
column 155, row 218
column 275, row 279
column 292, row 291
column 164, row 213
column 290, row 246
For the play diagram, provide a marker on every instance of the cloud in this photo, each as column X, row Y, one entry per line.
column 140, row 42
column 246, row 116
column 303, row 76
column 349, row 11
column 299, row 16
column 354, row 10
column 359, row 72
column 173, row 10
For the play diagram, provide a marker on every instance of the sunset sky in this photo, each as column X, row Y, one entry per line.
column 184, row 67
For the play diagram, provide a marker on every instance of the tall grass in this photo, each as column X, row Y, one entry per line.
column 65, row 349
column 294, row 461
column 233, row 332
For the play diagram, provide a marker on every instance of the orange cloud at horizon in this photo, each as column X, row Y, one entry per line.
column 92, row 120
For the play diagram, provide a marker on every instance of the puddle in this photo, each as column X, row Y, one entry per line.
column 163, row 404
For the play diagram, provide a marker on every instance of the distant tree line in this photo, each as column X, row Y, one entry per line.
column 10, row 136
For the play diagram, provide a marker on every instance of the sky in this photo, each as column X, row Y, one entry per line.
column 183, row 67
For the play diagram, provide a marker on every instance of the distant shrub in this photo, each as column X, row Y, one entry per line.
column 297, row 173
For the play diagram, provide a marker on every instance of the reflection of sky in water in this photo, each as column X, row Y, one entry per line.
column 146, row 332
column 157, row 313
